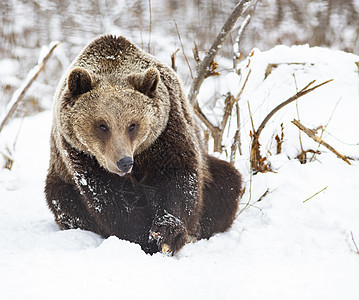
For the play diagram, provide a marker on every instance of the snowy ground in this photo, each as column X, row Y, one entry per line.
column 282, row 247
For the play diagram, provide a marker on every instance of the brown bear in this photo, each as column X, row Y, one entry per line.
column 126, row 153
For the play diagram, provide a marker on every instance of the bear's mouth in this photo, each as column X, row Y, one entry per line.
column 122, row 173
column 111, row 168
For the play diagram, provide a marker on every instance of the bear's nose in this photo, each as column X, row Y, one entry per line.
column 125, row 164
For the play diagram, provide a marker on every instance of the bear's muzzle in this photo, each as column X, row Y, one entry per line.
column 125, row 164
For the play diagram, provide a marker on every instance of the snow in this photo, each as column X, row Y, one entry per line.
column 296, row 243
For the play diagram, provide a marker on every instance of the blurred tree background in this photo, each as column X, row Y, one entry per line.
column 26, row 26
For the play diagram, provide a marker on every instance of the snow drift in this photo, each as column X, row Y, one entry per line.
column 297, row 242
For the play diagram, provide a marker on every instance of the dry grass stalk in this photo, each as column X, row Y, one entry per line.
column 248, row 204
column 356, row 247
column 322, row 190
column 257, row 161
column 280, row 140
column 312, row 135
column 237, row 138
column 20, row 93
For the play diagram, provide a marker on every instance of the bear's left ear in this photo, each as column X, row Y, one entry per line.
column 146, row 82
column 79, row 81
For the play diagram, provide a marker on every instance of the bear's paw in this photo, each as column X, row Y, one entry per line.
column 169, row 232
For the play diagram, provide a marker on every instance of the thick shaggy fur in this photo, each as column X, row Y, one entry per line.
column 116, row 102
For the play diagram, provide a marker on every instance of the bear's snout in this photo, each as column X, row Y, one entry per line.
column 125, row 164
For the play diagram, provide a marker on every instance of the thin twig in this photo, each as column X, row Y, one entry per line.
column 184, row 53
column 317, row 139
column 149, row 35
column 21, row 91
column 243, row 86
column 248, row 204
column 297, row 108
column 324, row 129
column 205, row 64
column 241, row 30
column 250, row 116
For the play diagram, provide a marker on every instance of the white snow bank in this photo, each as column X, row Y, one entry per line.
column 283, row 247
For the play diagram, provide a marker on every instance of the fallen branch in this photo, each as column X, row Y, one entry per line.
column 257, row 162
column 21, row 91
column 317, row 139
column 206, row 63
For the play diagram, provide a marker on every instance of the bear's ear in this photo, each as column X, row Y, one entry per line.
column 79, row 81
column 146, row 82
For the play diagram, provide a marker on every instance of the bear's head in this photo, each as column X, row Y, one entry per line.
column 112, row 120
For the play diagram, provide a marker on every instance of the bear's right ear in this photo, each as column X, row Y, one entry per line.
column 79, row 81
column 146, row 82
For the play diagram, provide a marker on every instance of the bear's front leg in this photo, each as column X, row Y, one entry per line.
column 177, row 210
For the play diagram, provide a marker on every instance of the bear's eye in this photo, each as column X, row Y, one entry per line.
column 103, row 127
column 132, row 127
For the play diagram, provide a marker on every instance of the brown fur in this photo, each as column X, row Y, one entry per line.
column 116, row 102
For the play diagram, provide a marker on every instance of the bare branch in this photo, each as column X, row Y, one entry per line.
column 213, row 129
column 316, row 138
column 241, row 30
column 205, row 64
column 20, row 93
column 257, row 162
column 301, row 93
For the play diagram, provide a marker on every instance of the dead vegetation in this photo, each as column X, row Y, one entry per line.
column 258, row 163
column 20, row 93
column 208, row 67
column 205, row 68
column 312, row 135
column 17, row 99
